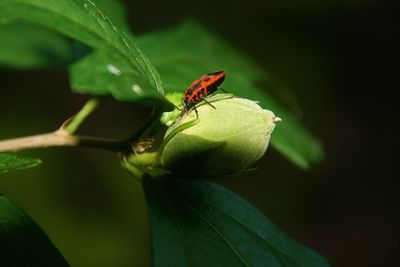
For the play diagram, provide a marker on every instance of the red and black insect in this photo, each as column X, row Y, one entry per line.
column 201, row 88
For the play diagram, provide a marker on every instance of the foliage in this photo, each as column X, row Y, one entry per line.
column 12, row 162
column 22, row 242
column 206, row 224
column 193, row 222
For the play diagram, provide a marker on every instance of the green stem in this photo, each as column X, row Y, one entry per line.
column 73, row 125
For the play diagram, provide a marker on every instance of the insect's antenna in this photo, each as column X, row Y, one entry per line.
column 178, row 108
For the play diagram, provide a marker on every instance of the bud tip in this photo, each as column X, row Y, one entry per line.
column 276, row 119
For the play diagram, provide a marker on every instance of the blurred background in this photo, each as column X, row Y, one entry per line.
column 337, row 59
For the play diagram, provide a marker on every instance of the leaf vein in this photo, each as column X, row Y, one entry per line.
column 214, row 228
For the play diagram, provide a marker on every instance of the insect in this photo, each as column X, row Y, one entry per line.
column 201, row 88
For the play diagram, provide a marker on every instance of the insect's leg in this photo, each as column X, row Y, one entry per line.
column 226, row 92
column 205, row 100
column 197, row 114
column 223, row 90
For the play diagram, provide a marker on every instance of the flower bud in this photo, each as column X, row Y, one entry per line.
column 224, row 140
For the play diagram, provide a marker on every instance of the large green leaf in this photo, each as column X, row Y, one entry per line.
column 24, row 45
column 22, row 242
column 184, row 53
column 196, row 223
column 85, row 22
column 12, row 162
column 116, row 10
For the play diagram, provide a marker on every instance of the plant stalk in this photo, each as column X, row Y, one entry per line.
column 72, row 125
column 60, row 138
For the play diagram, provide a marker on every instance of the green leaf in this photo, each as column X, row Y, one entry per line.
column 85, row 22
column 189, row 51
column 115, row 10
column 12, row 162
column 196, row 223
column 22, row 242
column 108, row 74
column 24, row 45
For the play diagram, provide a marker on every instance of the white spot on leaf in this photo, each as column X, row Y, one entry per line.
column 136, row 88
column 113, row 70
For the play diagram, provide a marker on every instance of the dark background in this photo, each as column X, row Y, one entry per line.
column 338, row 60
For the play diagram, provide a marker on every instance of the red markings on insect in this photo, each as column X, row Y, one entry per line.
column 201, row 88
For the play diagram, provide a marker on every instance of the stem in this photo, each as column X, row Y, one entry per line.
column 133, row 170
column 73, row 125
column 60, row 138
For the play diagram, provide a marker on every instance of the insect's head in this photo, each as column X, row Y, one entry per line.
column 188, row 102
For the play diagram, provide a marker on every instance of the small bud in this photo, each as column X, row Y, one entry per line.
column 225, row 140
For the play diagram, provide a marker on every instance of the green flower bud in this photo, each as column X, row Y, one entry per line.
column 223, row 140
